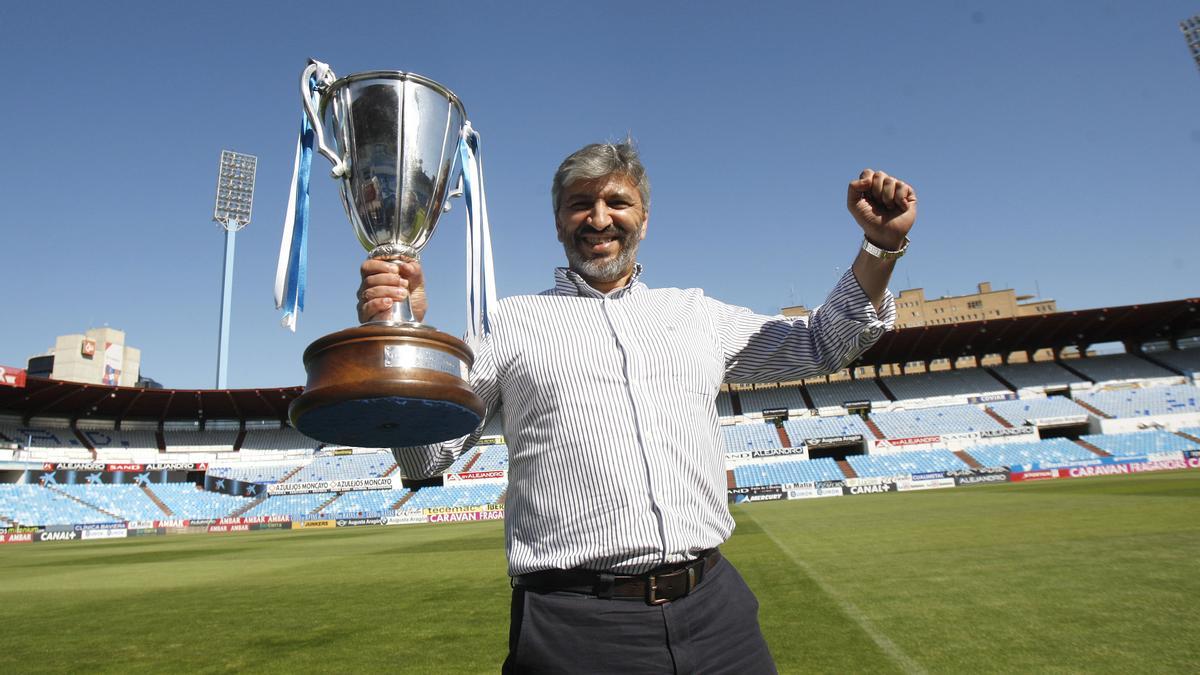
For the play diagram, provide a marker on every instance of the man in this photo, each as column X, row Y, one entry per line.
column 617, row 487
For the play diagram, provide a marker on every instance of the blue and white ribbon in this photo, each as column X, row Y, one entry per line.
column 481, row 277
column 293, row 249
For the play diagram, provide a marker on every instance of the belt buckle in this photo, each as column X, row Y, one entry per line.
column 652, row 587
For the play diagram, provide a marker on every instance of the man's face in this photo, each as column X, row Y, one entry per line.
column 600, row 224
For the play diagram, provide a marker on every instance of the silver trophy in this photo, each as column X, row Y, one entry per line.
column 397, row 382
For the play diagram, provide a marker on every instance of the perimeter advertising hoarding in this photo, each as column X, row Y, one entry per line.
column 463, row 515
column 869, row 488
column 57, row 535
column 323, row 524
column 815, row 490
column 925, row 481
column 756, row 493
column 980, row 476
column 359, row 522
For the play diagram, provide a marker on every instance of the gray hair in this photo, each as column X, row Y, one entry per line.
column 598, row 160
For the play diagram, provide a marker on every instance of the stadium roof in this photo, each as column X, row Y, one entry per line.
column 1132, row 323
column 57, row 398
column 1081, row 328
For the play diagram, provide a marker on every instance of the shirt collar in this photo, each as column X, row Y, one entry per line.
column 568, row 282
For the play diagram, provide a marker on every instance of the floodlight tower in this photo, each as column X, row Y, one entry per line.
column 1191, row 32
column 231, row 211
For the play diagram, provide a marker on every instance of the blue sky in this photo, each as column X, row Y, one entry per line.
column 1053, row 146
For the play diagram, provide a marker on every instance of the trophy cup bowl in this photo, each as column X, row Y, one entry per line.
column 397, row 382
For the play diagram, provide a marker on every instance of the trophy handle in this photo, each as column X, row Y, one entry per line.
column 324, row 76
column 456, row 192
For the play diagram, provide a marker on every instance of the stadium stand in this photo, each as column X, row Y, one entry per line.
column 129, row 502
column 957, row 383
column 449, row 497
column 363, row 501
column 290, row 505
column 1037, row 375
column 139, row 443
column 187, row 500
column 940, row 420
column 494, row 426
column 757, row 400
column 725, row 404
column 1145, row 401
column 1031, row 452
column 200, row 441
column 1139, row 443
column 481, row 458
column 255, row 472
column 787, row 472
column 743, row 437
column 286, row 438
column 37, row 505
column 1030, row 410
column 345, row 467
column 799, row 429
column 492, row 458
column 1186, row 361
column 826, row 394
column 1115, row 367
column 38, row 437
column 903, row 463
column 462, row 461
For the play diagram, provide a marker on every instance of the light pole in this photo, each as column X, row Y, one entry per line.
column 231, row 210
column 1191, row 32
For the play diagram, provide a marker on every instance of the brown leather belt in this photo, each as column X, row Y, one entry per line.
column 656, row 587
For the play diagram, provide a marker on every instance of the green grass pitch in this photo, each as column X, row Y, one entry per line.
column 1090, row 575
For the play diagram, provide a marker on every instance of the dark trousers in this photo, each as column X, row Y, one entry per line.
column 714, row 629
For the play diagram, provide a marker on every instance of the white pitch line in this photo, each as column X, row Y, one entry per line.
column 885, row 644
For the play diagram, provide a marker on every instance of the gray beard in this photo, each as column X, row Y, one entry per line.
column 603, row 271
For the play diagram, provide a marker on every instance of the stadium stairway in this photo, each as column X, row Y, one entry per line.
column 322, row 507
column 400, row 502
column 288, row 476
column 157, row 502
column 161, row 439
column 871, row 425
column 968, row 459
column 241, row 438
column 83, row 440
column 1091, row 448
column 886, row 392
column 784, row 441
column 246, row 507
column 54, row 489
column 1009, row 385
column 1188, row 436
column 1000, row 420
column 847, row 469
column 730, row 481
column 391, row 470
column 471, row 462
column 1095, row 411
column 1071, row 370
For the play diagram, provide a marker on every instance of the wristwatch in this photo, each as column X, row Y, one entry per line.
column 883, row 253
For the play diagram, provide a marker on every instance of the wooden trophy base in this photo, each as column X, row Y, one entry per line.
column 387, row 385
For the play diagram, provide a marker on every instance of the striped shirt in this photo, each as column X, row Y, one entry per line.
column 616, row 460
